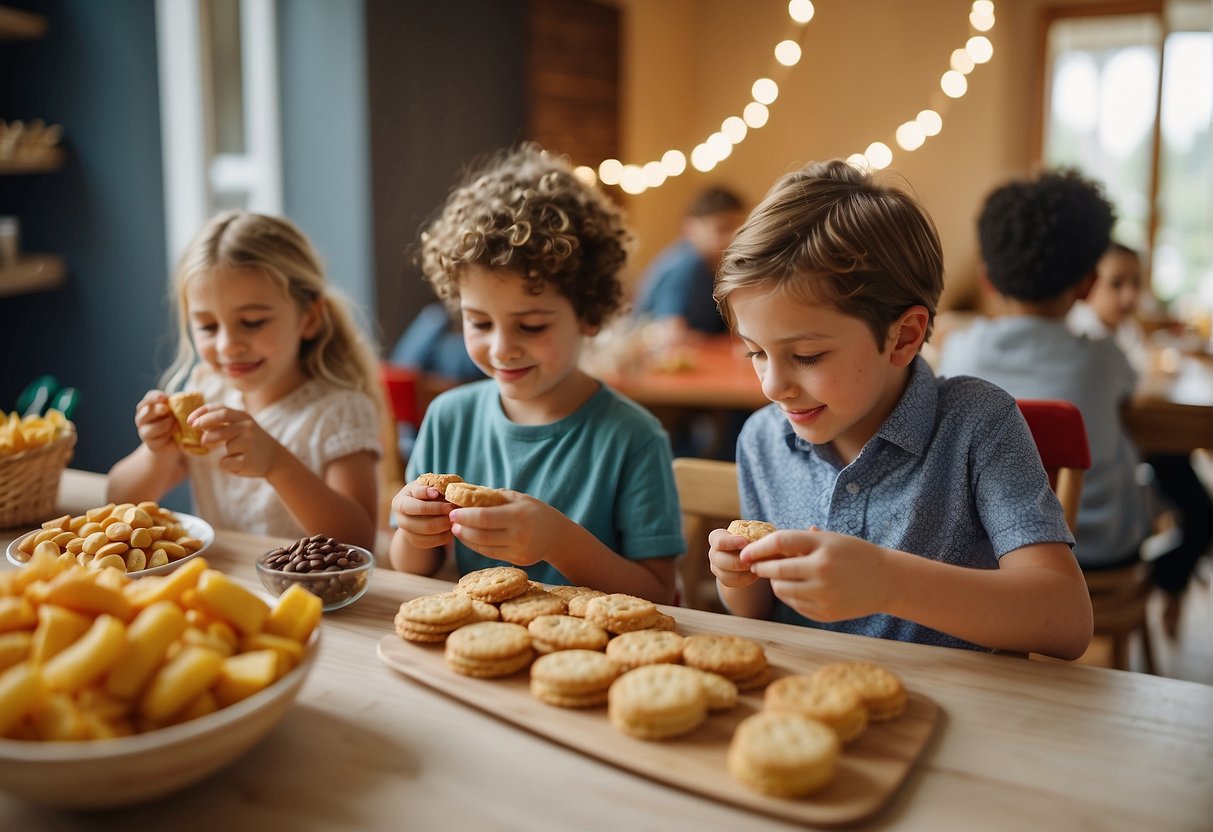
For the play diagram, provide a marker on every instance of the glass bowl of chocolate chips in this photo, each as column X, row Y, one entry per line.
column 337, row 573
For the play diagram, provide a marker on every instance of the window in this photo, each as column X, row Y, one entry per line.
column 219, row 111
column 1127, row 101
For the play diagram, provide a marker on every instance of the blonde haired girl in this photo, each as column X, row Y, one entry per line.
column 291, row 423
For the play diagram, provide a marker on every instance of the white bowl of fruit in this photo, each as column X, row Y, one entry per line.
column 128, row 690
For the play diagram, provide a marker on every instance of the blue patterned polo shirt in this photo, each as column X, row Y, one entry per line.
column 952, row 475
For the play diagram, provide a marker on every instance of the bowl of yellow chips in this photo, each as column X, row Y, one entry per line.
column 115, row 691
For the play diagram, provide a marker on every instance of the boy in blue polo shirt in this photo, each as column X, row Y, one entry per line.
column 531, row 257
column 908, row 507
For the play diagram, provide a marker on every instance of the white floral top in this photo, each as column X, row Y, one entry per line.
column 318, row 422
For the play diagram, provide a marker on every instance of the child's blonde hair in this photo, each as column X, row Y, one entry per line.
column 339, row 353
column 828, row 234
column 525, row 210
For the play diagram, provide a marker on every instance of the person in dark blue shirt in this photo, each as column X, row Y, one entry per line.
column 677, row 288
column 433, row 345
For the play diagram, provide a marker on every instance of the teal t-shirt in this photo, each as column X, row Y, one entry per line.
column 607, row 467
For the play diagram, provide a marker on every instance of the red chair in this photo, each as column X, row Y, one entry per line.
column 400, row 386
column 1118, row 596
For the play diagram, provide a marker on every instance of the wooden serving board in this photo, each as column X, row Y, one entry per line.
column 870, row 769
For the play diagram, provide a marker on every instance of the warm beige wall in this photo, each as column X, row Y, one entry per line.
column 868, row 65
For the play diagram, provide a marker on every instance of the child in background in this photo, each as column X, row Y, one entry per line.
column 1109, row 311
column 1040, row 242
column 293, row 402
column 677, row 290
column 909, row 507
column 432, row 344
column 531, row 256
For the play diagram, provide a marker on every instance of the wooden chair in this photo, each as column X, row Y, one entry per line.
column 1118, row 596
column 707, row 493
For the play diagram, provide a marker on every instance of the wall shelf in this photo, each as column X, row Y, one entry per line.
column 20, row 25
column 47, row 161
column 32, row 273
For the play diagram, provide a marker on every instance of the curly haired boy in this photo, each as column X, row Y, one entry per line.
column 529, row 255
column 1041, row 240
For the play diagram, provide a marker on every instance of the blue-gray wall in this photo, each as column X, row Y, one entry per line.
column 103, row 332
column 325, row 138
column 384, row 103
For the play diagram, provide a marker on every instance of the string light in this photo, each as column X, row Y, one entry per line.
column 913, row 134
column 705, row 156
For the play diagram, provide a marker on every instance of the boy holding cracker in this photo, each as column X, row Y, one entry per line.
column 908, row 506
column 530, row 256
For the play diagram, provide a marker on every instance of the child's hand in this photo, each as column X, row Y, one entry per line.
column 519, row 532
column 155, row 422
column 724, row 558
column 422, row 514
column 824, row 576
column 251, row 452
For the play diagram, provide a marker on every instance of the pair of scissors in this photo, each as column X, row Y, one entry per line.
column 44, row 393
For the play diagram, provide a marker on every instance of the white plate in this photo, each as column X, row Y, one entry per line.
column 194, row 527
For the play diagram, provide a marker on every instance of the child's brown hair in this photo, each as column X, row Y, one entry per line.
column 831, row 235
column 525, row 210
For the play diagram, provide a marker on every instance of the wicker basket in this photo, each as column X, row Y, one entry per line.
column 29, row 482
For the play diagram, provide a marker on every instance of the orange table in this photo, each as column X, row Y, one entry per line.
column 1171, row 412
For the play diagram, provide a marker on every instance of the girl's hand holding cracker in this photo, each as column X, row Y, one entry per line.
column 823, row 575
column 251, row 452
column 522, row 531
column 421, row 513
column 155, row 422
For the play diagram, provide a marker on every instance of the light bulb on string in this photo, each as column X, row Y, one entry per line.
column 734, row 129
column 673, row 162
column 702, row 158
column 800, row 10
column 980, row 49
column 962, row 61
column 586, row 174
column 910, row 135
column 755, row 115
column 765, row 91
column 879, row 155
column 787, row 52
column 930, row 122
column 953, row 84
column 610, row 171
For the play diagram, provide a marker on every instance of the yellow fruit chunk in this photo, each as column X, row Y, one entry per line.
column 202, row 704
column 187, row 674
column 16, row 614
column 147, row 641
column 77, row 590
column 219, row 595
column 20, row 687
column 57, row 628
column 290, row 650
column 89, row 658
column 41, row 567
column 57, row 718
column 14, row 648
column 295, row 615
column 147, row 591
column 243, row 675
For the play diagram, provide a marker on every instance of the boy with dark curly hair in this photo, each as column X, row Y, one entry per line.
column 530, row 256
column 1041, row 240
